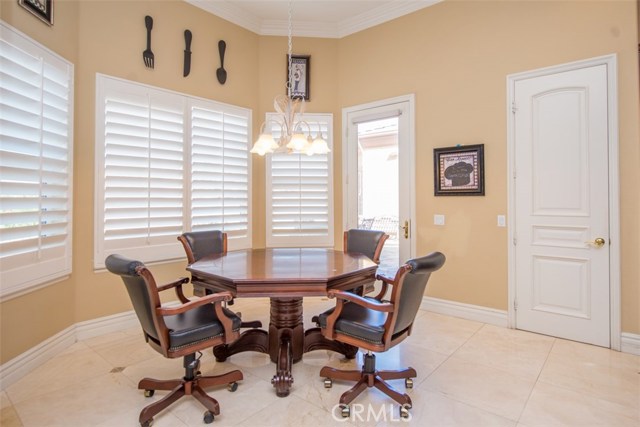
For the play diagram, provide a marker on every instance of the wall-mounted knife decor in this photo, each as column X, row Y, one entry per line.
column 147, row 55
column 187, row 53
column 221, row 73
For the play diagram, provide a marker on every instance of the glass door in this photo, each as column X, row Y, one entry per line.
column 379, row 173
column 378, row 183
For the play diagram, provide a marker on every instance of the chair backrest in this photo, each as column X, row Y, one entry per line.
column 366, row 242
column 407, row 296
column 198, row 244
column 144, row 298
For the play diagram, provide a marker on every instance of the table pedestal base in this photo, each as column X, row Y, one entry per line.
column 285, row 342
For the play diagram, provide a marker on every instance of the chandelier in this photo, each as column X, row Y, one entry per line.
column 295, row 133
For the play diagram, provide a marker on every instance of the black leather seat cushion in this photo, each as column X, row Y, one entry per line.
column 358, row 322
column 196, row 325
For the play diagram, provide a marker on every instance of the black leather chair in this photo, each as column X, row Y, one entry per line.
column 366, row 242
column 178, row 332
column 376, row 325
column 199, row 244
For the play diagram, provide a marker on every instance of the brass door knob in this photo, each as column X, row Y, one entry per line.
column 598, row 243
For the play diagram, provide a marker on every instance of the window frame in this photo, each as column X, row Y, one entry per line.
column 171, row 250
column 30, row 276
column 302, row 240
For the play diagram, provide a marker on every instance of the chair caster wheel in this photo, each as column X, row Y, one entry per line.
column 149, row 393
column 345, row 411
column 147, row 423
column 328, row 383
column 232, row 386
column 208, row 417
column 408, row 383
column 404, row 411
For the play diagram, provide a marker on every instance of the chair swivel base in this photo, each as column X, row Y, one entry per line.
column 193, row 386
column 369, row 376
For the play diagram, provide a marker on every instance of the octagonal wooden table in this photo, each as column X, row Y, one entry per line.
column 286, row 276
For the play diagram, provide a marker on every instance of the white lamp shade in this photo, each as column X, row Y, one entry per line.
column 319, row 146
column 298, row 143
column 265, row 144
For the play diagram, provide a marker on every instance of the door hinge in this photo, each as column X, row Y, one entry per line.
column 513, row 107
column 515, row 241
column 515, row 304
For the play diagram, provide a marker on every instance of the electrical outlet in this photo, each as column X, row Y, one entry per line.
column 502, row 221
column 438, row 219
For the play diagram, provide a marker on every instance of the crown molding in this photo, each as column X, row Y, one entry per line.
column 381, row 14
column 386, row 12
column 229, row 12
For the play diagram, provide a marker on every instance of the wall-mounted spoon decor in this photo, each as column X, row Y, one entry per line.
column 221, row 73
column 147, row 54
column 187, row 53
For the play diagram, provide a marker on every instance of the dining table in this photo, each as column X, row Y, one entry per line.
column 285, row 276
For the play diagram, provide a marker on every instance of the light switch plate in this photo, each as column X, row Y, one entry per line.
column 438, row 219
column 502, row 221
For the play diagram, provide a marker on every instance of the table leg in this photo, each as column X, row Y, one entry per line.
column 286, row 340
column 314, row 340
column 250, row 340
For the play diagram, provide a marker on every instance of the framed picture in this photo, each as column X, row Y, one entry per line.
column 43, row 9
column 459, row 171
column 299, row 76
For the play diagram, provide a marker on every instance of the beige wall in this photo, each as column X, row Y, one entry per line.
column 454, row 56
column 109, row 37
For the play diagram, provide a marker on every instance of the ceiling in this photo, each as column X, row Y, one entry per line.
column 310, row 18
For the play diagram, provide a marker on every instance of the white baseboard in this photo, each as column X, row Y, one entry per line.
column 106, row 325
column 17, row 367
column 477, row 313
column 630, row 343
column 21, row 365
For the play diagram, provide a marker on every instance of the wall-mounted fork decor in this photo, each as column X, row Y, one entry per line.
column 147, row 54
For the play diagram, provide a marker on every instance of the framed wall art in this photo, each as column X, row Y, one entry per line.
column 43, row 9
column 459, row 171
column 299, row 76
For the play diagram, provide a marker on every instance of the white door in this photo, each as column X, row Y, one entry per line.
column 561, row 182
column 379, row 174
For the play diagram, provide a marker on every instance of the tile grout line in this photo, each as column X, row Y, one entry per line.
column 524, row 407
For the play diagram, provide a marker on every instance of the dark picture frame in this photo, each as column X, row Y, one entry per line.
column 459, row 171
column 43, row 9
column 299, row 83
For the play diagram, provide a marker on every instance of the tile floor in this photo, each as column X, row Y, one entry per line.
column 469, row 374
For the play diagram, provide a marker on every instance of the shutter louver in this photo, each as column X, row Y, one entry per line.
column 143, row 169
column 220, row 172
column 35, row 163
column 170, row 164
column 300, row 194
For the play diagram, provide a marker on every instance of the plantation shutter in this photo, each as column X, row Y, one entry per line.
column 220, row 172
column 143, row 170
column 167, row 163
column 36, row 99
column 300, row 192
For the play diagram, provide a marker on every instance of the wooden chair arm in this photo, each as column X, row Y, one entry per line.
column 385, row 279
column 190, row 305
column 177, row 284
column 361, row 301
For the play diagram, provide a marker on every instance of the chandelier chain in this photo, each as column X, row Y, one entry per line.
column 290, row 49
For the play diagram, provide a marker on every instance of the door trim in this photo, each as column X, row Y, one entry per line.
column 410, row 99
column 610, row 61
